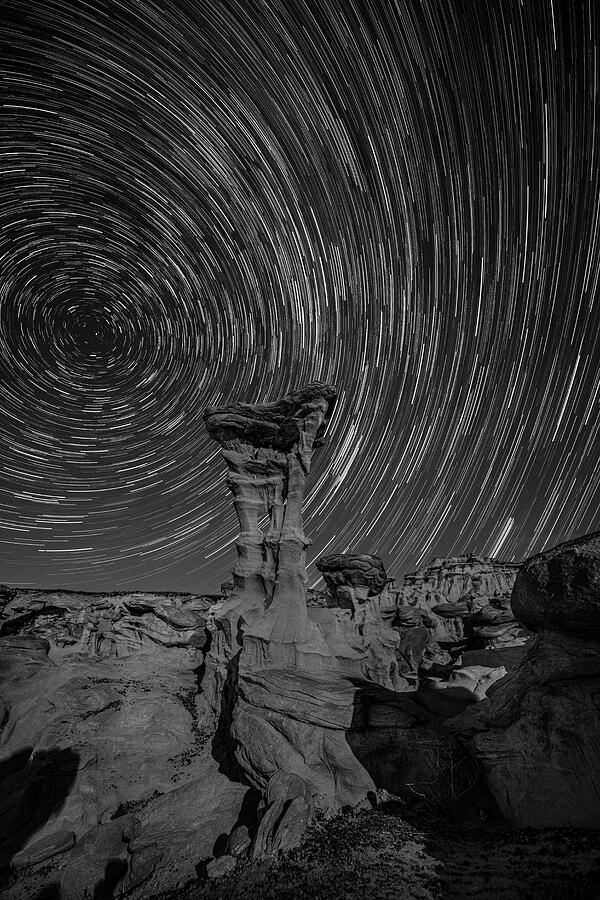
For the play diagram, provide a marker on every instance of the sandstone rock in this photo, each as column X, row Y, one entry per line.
column 99, row 862
column 408, row 617
column 239, row 841
column 52, row 845
column 476, row 679
column 267, row 449
column 506, row 657
column 278, row 425
column 352, row 578
column 453, row 578
column 180, row 828
column 452, row 610
column 341, row 735
column 303, row 690
column 287, row 811
column 223, row 865
column 413, row 644
column 560, row 589
column 317, row 599
column 100, row 715
column 537, row 733
column 492, row 615
column 452, row 590
column 117, row 624
column 464, row 604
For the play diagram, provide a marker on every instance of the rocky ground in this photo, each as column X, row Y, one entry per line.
column 391, row 854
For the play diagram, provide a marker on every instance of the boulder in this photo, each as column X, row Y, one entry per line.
column 223, row 865
column 287, row 809
column 560, row 589
column 356, row 576
column 238, row 843
column 536, row 735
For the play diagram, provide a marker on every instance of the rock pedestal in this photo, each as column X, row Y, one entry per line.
column 268, row 451
column 292, row 683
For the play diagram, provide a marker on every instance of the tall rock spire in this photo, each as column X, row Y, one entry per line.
column 268, row 449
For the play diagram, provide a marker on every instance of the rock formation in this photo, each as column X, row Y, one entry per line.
column 105, row 625
column 537, row 735
column 102, row 750
column 295, row 685
column 145, row 735
column 268, row 451
column 463, row 603
column 449, row 580
column 352, row 579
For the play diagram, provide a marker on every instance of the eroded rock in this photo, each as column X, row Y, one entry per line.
column 291, row 681
column 559, row 589
column 537, row 734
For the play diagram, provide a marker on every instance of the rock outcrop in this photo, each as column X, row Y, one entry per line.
column 268, row 451
column 463, row 603
column 449, row 580
column 352, row 579
column 537, row 735
column 294, row 683
column 105, row 625
column 103, row 753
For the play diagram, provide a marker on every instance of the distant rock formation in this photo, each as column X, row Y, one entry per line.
column 105, row 625
column 449, row 580
column 537, row 735
column 464, row 603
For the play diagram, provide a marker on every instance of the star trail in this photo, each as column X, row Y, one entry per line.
column 205, row 202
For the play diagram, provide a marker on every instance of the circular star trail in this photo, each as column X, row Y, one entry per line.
column 209, row 202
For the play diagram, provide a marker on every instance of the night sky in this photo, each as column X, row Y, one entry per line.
column 204, row 202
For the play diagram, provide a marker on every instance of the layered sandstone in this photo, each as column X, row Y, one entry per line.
column 464, row 602
column 293, row 682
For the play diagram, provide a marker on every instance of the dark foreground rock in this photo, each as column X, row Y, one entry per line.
column 384, row 854
column 537, row 734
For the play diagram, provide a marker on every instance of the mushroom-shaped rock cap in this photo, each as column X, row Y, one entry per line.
column 560, row 589
column 274, row 425
column 353, row 569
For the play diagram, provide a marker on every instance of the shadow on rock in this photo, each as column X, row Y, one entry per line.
column 32, row 788
column 50, row 892
column 405, row 751
column 222, row 746
column 115, row 872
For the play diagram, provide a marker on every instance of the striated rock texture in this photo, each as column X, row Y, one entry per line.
column 291, row 681
column 105, row 625
column 537, row 735
column 449, row 580
column 352, row 578
column 464, row 603
column 268, row 451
